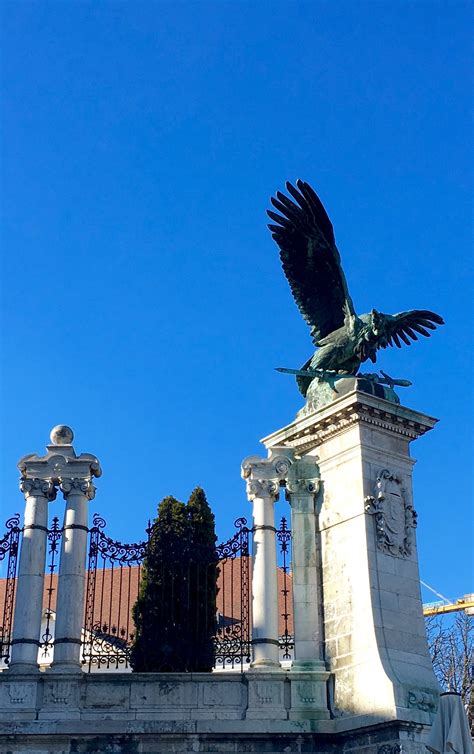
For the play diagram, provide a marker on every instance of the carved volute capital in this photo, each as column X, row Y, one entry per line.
column 264, row 476
column 302, row 487
column 303, row 479
column 263, row 488
column 78, row 486
column 38, row 487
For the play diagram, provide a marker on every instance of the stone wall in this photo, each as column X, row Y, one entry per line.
column 154, row 713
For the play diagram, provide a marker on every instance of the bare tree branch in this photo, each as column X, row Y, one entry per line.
column 451, row 645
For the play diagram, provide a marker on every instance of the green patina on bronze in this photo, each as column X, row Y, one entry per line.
column 344, row 339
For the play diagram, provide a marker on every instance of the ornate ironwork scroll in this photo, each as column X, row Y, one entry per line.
column 54, row 537
column 283, row 535
column 233, row 636
column 113, row 577
column 9, row 549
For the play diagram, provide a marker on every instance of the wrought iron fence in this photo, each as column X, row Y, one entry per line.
column 108, row 627
column 54, row 538
column 113, row 577
column 283, row 535
column 9, row 551
column 112, row 584
column 233, row 637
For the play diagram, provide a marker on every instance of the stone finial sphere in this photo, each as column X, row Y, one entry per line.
column 61, row 434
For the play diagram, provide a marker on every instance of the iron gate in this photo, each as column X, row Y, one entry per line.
column 9, row 551
column 113, row 578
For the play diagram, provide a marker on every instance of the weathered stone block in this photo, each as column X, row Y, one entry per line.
column 163, row 693
column 266, row 696
column 101, row 696
column 61, row 697
column 222, row 694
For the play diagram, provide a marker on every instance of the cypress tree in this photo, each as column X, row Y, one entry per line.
column 161, row 612
column 175, row 613
column 203, row 581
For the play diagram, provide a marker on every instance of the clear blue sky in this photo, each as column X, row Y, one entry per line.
column 143, row 301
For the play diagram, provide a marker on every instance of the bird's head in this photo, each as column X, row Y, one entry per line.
column 377, row 323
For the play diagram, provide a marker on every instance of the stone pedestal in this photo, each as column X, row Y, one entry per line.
column 182, row 712
column 374, row 633
column 266, row 695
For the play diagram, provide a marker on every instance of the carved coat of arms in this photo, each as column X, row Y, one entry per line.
column 395, row 518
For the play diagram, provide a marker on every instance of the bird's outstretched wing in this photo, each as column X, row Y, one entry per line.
column 406, row 326
column 310, row 259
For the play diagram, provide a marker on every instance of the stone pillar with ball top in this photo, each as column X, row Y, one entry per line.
column 40, row 478
column 74, row 475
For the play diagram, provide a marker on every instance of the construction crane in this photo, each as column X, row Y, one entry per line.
column 443, row 606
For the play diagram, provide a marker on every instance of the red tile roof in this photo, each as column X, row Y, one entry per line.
column 116, row 590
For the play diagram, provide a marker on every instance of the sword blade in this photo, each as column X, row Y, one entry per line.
column 321, row 374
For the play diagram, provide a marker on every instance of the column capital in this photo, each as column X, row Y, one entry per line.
column 264, row 476
column 78, row 486
column 302, row 487
column 263, row 488
column 35, row 487
column 303, row 478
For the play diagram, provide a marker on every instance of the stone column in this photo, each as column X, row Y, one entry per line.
column 75, row 475
column 374, row 634
column 308, row 671
column 301, row 489
column 72, row 568
column 263, row 494
column 264, row 477
column 29, row 591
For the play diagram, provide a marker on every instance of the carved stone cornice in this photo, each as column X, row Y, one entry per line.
column 38, row 487
column 60, row 461
column 276, row 466
column 351, row 410
column 59, row 467
column 78, row 486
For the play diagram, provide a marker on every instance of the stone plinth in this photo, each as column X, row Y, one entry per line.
column 164, row 712
column 374, row 632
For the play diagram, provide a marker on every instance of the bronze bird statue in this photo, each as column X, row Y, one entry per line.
column 312, row 265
